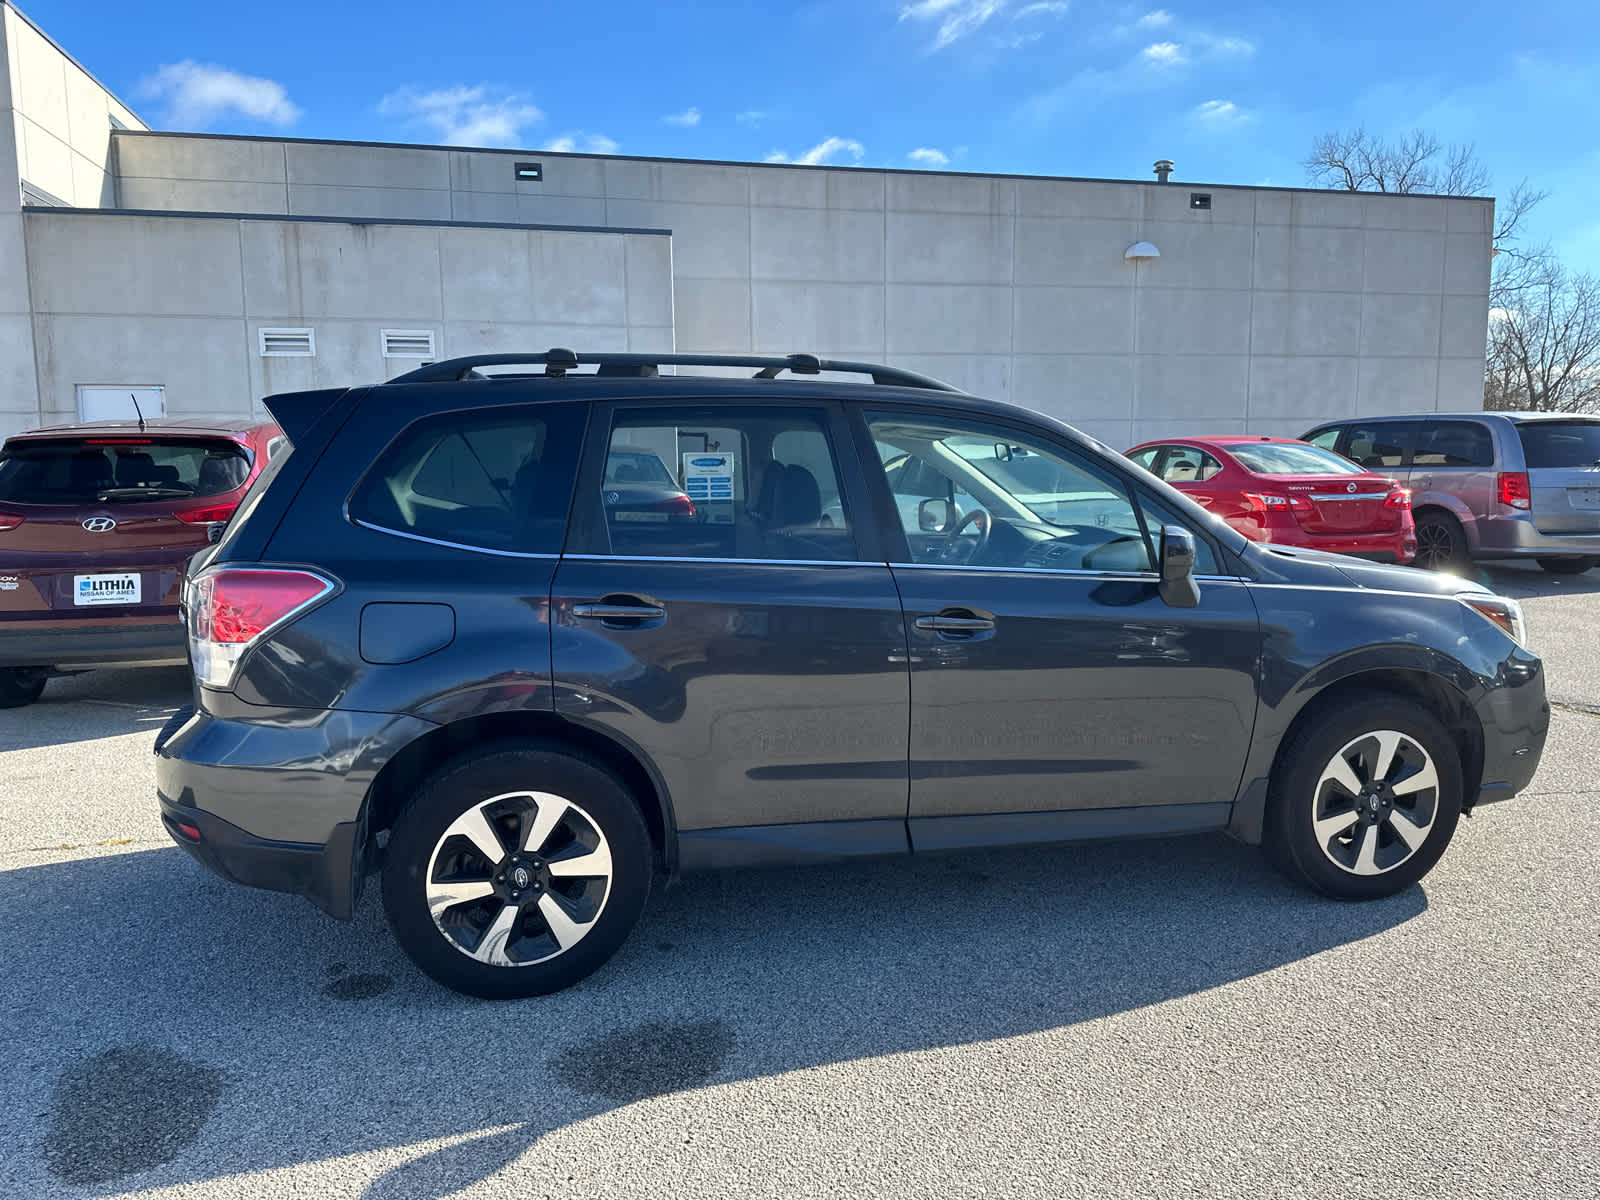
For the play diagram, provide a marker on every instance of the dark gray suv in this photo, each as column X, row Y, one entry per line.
column 438, row 644
column 1488, row 485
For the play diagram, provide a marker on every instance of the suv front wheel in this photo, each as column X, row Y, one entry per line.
column 516, row 872
column 1365, row 798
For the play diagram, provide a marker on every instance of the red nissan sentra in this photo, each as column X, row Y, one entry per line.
column 97, row 523
column 1286, row 491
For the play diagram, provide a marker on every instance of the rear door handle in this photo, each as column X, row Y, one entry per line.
column 955, row 624
column 618, row 612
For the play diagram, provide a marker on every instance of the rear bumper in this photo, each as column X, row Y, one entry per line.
column 1390, row 547
column 125, row 643
column 1514, row 537
column 279, row 801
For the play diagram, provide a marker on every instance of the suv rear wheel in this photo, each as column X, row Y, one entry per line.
column 516, row 871
column 21, row 685
column 1441, row 544
column 1366, row 797
column 1568, row 566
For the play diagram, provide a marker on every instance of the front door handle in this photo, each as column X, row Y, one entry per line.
column 597, row 611
column 942, row 624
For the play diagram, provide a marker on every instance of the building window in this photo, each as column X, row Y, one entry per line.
column 288, row 343
column 408, row 343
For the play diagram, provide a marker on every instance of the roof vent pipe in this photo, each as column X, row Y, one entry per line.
column 1163, row 169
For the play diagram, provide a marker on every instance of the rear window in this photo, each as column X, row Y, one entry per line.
column 119, row 470
column 1453, row 444
column 1281, row 458
column 1555, row 443
column 497, row 479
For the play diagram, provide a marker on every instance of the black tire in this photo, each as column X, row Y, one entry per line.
column 606, row 815
column 1297, row 797
column 1441, row 543
column 1568, row 566
column 21, row 685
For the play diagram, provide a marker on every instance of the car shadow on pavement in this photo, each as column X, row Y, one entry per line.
column 169, row 1028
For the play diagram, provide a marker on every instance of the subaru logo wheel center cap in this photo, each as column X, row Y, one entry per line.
column 521, row 878
column 99, row 524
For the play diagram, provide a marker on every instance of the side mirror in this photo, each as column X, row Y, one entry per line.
column 934, row 516
column 1178, row 587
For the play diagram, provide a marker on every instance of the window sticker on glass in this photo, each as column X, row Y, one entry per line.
column 708, row 476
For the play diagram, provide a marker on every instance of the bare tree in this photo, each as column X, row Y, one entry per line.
column 1544, row 339
column 1416, row 164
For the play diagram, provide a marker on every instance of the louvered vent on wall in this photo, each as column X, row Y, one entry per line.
column 408, row 343
column 288, row 343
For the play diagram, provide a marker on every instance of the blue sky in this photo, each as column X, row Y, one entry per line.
column 1233, row 91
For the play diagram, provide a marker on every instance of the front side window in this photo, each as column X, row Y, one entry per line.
column 722, row 483
column 1007, row 500
column 1378, row 443
column 496, row 479
column 1453, row 444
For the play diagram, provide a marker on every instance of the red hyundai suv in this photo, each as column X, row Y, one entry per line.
column 1285, row 491
column 97, row 523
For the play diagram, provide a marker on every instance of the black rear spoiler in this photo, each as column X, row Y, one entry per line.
column 297, row 412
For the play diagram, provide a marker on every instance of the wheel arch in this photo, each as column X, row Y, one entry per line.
column 1451, row 506
column 1437, row 693
column 400, row 775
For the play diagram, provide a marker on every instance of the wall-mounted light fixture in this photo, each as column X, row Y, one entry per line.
column 1141, row 250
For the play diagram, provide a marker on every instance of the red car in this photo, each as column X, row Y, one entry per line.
column 97, row 522
column 1286, row 491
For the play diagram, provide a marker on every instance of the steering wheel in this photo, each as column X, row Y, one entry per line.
column 953, row 545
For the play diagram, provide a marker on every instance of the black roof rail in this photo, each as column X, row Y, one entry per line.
column 558, row 361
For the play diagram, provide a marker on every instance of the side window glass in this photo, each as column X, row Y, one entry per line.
column 1013, row 501
column 1328, row 439
column 1378, row 443
column 494, row 479
column 730, row 483
column 1453, row 444
column 1185, row 464
column 1146, row 458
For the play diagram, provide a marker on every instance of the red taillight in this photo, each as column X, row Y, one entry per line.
column 1513, row 489
column 230, row 608
column 677, row 506
column 9, row 520
column 209, row 515
column 1399, row 498
column 1267, row 502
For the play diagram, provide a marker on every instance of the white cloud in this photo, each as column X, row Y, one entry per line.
column 465, row 116
column 1043, row 7
column 1165, row 54
column 198, row 94
column 581, row 143
column 955, row 18
column 689, row 116
column 929, row 157
column 1225, row 47
column 1219, row 113
column 1156, row 19
column 822, row 152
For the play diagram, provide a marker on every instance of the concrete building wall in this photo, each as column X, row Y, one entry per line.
column 180, row 301
column 1269, row 311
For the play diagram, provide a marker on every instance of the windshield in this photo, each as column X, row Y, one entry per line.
column 1289, row 458
column 114, row 470
column 1560, row 443
column 637, row 466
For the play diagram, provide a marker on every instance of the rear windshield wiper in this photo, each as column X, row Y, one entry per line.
column 141, row 493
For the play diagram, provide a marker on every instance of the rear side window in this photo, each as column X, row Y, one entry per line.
column 1185, row 464
column 1378, row 443
column 1453, row 444
column 497, row 479
column 1547, row 444
column 119, row 470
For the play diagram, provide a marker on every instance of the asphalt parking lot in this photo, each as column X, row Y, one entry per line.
column 1156, row 1019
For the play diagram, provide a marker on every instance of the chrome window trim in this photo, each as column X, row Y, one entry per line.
column 417, row 537
column 817, row 562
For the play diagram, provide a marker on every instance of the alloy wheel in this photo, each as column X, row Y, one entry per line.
column 1436, row 546
column 519, row 878
column 1375, row 802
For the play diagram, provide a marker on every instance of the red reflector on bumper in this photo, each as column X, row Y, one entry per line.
column 188, row 831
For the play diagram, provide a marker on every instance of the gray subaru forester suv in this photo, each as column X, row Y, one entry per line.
column 1488, row 485
column 442, row 643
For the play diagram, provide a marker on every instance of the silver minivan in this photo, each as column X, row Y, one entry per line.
column 1488, row 484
